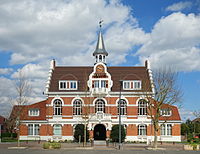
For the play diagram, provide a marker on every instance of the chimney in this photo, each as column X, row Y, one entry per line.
column 147, row 64
column 52, row 64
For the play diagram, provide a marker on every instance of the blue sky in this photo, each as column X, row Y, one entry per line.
column 166, row 32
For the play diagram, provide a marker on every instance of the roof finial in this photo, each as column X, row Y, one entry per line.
column 100, row 23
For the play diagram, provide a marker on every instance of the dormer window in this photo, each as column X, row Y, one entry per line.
column 132, row 85
column 165, row 112
column 68, row 85
column 34, row 112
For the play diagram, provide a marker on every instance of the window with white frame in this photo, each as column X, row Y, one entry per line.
column 142, row 130
column 122, row 107
column 57, row 130
column 68, row 85
column 132, row 85
column 100, row 106
column 77, row 107
column 165, row 112
column 100, row 83
column 33, row 129
column 142, row 107
column 166, row 129
column 57, row 107
column 34, row 112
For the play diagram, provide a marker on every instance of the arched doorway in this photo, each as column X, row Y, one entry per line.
column 99, row 132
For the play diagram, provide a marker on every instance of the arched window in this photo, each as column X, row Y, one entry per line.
column 100, row 106
column 142, row 107
column 57, row 130
column 123, row 107
column 57, row 107
column 77, row 107
column 142, row 130
column 100, row 58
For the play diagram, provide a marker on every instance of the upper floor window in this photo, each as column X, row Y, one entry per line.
column 166, row 129
column 142, row 130
column 57, row 130
column 142, row 107
column 132, row 85
column 68, row 85
column 34, row 112
column 33, row 129
column 77, row 107
column 57, row 107
column 100, row 84
column 100, row 106
column 122, row 107
column 165, row 112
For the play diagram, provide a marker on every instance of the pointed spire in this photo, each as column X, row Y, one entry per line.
column 100, row 48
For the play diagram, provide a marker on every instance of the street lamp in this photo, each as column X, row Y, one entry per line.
column 0, row 133
column 120, row 132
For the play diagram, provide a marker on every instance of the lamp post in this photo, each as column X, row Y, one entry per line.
column 120, row 132
column 0, row 133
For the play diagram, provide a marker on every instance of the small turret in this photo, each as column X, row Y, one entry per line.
column 100, row 52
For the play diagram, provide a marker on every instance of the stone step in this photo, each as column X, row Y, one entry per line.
column 99, row 143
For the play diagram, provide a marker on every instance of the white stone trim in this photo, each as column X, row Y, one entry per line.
column 77, row 97
column 57, row 97
column 93, row 103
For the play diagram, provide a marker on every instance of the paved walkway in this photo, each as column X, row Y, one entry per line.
column 112, row 146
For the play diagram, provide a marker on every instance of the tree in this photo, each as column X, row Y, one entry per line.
column 166, row 93
column 115, row 133
column 23, row 89
column 79, row 131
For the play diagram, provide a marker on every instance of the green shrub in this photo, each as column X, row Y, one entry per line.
column 115, row 133
column 7, row 134
column 196, row 140
column 53, row 145
column 46, row 145
column 79, row 131
column 56, row 145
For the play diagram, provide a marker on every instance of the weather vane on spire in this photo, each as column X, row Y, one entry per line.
column 100, row 23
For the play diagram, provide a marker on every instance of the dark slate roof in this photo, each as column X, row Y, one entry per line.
column 81, row 74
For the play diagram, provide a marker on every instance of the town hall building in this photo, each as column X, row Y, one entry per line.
column 90, row 95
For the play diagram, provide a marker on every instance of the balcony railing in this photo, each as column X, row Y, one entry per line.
column 99, row 91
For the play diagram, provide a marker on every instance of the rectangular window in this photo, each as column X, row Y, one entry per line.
column 68, row 85
column 34, row 112
column 30, row 129
column 96, row 84
column 162, row 130
column 33, row 129
column 57, row 130
column 166, row 129
column 132, row 85
column 103, row 84
column 142, row 130
column 169, row 129
column 165, row 112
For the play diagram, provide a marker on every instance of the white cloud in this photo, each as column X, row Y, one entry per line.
column 179, row 6
column 45, row 29
column 5, row 70
column 186, row 114
column 175, row 40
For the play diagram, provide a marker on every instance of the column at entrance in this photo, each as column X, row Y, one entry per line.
column 91, row 134
column 108, row 133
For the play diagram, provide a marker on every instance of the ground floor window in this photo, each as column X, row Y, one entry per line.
column 57, row 130
column 166, row 129
column 142, row 130
column 33, row 129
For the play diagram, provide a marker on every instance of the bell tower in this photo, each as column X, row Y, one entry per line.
column 100, row 52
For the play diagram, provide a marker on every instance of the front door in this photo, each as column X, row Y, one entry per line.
column 99, row 132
